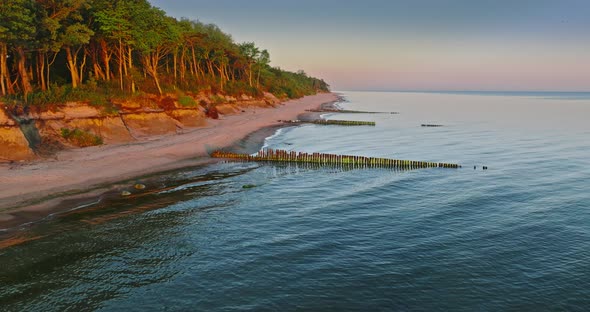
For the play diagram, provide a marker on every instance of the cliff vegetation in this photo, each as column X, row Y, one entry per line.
column 98, row 50
column 77, row 73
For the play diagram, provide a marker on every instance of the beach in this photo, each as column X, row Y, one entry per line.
column 30, row 188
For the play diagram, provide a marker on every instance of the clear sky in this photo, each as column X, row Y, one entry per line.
column 414, row 44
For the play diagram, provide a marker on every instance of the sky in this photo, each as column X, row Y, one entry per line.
column 483, row 45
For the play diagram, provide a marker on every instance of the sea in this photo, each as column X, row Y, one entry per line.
column 237, row 236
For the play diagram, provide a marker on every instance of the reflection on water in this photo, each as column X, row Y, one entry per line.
column 307, row 238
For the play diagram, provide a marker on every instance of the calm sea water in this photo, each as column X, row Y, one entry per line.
column 515, row 237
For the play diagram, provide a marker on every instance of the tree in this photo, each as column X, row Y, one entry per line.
column 114, row 24
column 96, row 36
column 154, row 35
column 74, row 34
column 50, row 18
column 262, row 62
column 251, row 52
column 17, row 31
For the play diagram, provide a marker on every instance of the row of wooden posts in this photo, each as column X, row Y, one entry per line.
column 330, row 159
column 332, row 122
column 334, row 110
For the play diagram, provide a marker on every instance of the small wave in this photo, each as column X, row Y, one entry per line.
column 326, row 116
column 338, row 105
column 188, row 186
column 49, row 217
column 78, row 207
column 266, row 141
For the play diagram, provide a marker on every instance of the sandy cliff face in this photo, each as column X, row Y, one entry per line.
column 110, row 129
column 236, row 105
column 189, row 117
column 136, row 119
column 13, row 144
column 147, row 124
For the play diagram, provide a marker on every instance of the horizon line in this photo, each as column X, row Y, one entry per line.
column 461, row 91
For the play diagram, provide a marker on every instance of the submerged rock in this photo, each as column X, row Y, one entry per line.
column 431, row 126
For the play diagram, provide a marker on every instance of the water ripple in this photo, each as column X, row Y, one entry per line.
column 515, row 237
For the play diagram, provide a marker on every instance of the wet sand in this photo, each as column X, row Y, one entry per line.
column 29, row 190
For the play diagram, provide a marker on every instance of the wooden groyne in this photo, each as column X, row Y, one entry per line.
column 283, row 156
column 331, row 122
column 333, row 110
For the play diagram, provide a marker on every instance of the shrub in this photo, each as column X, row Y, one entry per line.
column 80, row 137
column 218, row 99
column 187, row 101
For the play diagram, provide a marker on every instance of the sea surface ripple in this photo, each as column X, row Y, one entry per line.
column 514, row 237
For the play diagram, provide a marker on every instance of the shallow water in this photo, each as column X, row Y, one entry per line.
column 515, row 237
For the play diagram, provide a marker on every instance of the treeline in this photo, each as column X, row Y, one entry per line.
column 131, row 46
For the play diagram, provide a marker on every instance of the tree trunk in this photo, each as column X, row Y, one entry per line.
column 106, row 58
column 158, row 84
column 98, row 72
column 22, row 71
column 182, row 66
column 194, row 67
column 200, row 70
column 258, row 79
column 3, row 69
column 48, row 81
column 121, row 62
column 228, row 73
column 130, row 60
column 175, row 61
column 250, row 73
column 130, row 57
column 41, row 70
column 81, row 70
column 72, row 66
column 221, row 78
column 210, row 68
column 151, row 66
column 96, row 54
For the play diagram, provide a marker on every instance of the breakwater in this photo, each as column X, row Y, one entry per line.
column 345, row 111
column 284, row 156
column 331, row 122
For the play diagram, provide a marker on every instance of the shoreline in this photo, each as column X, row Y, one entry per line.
column 32, row 191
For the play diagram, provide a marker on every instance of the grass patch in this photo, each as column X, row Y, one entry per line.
column 218, row 99
column 80, row 137
column 187, row 101
column 55, row 96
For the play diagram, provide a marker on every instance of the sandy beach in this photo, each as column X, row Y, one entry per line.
column 42, row 185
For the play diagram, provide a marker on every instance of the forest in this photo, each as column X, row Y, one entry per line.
column 58, row 50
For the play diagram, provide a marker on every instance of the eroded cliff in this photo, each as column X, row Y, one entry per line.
column 27, row 133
